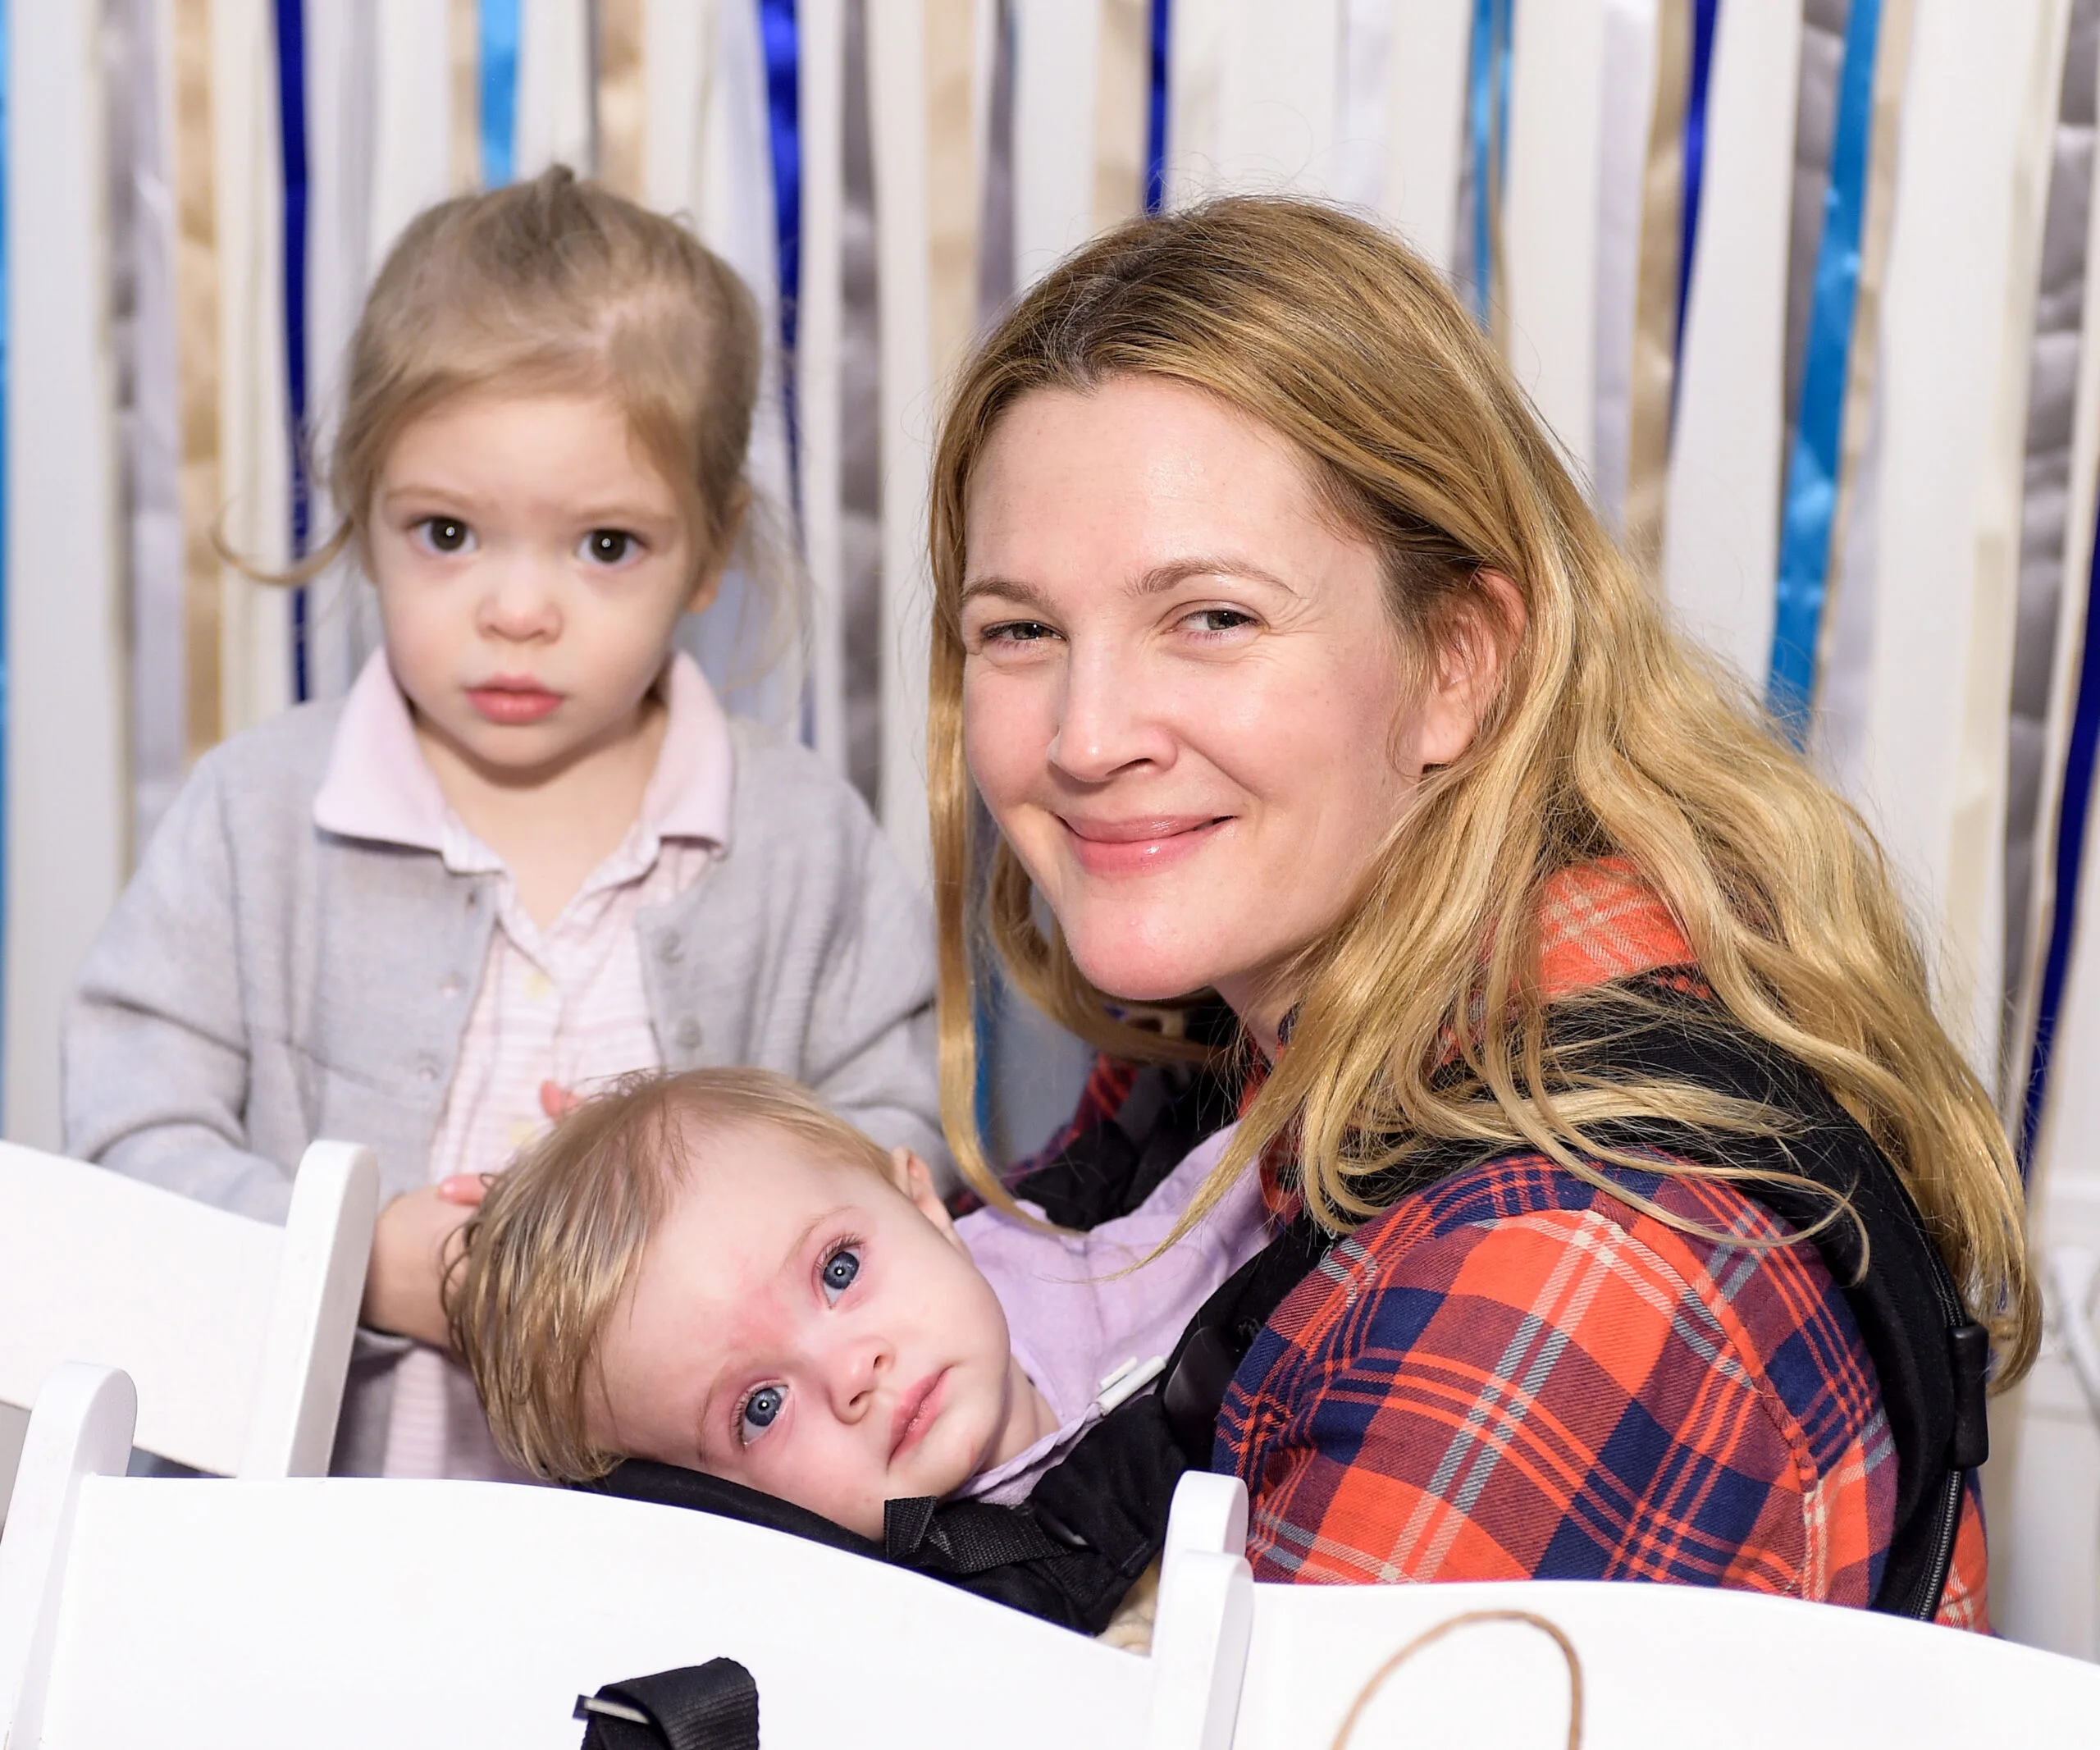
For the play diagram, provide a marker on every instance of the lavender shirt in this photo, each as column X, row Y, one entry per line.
column 1074, row 1319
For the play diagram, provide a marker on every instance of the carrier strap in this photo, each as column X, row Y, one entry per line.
column 1931, row 1360
column 710, row 1706
column 1096, row 1521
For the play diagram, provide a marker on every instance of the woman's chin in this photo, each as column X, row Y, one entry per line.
column 1142, row 977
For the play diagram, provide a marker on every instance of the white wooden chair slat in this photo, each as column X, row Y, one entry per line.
column 352, row 1612
column 343, row 1612
column 236, row 1331
column 1663, row 1666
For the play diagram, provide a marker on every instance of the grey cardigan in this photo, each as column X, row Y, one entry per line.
column 263, row 982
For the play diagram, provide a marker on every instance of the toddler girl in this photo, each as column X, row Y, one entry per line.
column 712, row 1271
column 529, row 851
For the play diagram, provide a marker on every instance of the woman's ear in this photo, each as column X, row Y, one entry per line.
column 1471, row 661
column 914, row 1178
column 707, row 583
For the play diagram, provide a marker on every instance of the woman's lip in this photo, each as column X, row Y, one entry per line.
column 1138, row 846
column 914, row 1415
column 507, row 701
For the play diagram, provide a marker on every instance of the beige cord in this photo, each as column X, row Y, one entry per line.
column 1428, row 1637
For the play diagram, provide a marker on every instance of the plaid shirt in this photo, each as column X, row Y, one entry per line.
column 1513, row 1374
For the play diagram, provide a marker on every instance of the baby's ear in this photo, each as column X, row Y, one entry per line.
column 914, row 1178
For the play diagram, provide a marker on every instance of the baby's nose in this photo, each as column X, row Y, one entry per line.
column 856, row 1372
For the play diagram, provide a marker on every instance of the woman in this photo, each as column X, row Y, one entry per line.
column 1292, row 667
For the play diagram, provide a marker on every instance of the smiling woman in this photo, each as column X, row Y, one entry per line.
column 1248, row 676
column 1657, row 1223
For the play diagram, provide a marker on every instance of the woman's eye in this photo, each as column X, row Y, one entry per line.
column 839, row 1270
column 1018, row 631
column 608, row 546
column 1217, row 619
column 761, row 1410
column 446, row 534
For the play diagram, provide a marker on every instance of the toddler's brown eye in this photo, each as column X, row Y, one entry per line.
column 446, row 534
column 608, row 546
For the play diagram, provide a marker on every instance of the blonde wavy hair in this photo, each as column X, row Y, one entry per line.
column 1610, row 737
column 547, row 1257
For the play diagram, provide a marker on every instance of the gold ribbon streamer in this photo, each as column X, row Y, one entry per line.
column 1653, row 371
column 463, row 45
column 197, row 355
column 1862, row 357
column 952, row 185
column 1122, row 64
column 623, row 98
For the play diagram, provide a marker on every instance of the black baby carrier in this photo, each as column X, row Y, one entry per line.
column 1096, row 1522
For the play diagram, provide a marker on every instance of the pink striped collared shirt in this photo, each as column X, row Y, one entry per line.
column 565, row 1005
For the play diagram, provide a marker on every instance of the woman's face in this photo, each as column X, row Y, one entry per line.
column 1184, row 699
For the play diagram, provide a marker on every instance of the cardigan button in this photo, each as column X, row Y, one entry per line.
column 426, row 1068
column 688, row 1035
column 669, row 948
column 451, row 984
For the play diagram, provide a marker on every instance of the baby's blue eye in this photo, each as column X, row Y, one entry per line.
column 839, row 1270
column 760, row 1409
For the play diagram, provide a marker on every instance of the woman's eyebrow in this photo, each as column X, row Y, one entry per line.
column 1156, row 581
column 1006, row 589
column 1175, row 572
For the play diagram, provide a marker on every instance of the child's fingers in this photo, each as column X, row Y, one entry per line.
column 555, row 1100
column 465, row 1188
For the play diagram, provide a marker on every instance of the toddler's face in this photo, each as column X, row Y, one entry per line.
column 810, row 1329
column 531, row 567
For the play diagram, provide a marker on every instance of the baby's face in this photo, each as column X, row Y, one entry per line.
column 810, row 1329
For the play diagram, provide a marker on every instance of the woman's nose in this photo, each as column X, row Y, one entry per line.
column 1108, row 720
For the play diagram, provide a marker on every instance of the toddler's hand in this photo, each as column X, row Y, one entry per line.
column 467, row 1188
column 417, row 1236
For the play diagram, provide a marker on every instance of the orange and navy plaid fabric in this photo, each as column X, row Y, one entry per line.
column 1513, row 1375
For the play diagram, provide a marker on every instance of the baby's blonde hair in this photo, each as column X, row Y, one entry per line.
column 557, row 1240
column 555, row 286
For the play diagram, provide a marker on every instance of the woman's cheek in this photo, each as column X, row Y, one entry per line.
column 1000, row 742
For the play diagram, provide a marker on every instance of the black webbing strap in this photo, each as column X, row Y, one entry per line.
column 710, row 1706
column 1068, row 1555
column 1094, row 1522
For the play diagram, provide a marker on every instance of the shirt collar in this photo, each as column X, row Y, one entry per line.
column 379, row 787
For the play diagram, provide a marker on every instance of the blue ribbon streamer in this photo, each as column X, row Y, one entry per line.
column 291, row 133
column 1487, row 119
column 1156, row 109
column 779, row 36
column 2071, row 823
column 1811, row 494
column 499, row 92
column 1704, row 15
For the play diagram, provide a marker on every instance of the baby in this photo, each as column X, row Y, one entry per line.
column 710, row 1270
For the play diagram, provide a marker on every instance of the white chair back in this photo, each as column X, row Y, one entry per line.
column 1661, row 1667
column 239, row 1614
column 352, row 1611
column 237, row 1332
